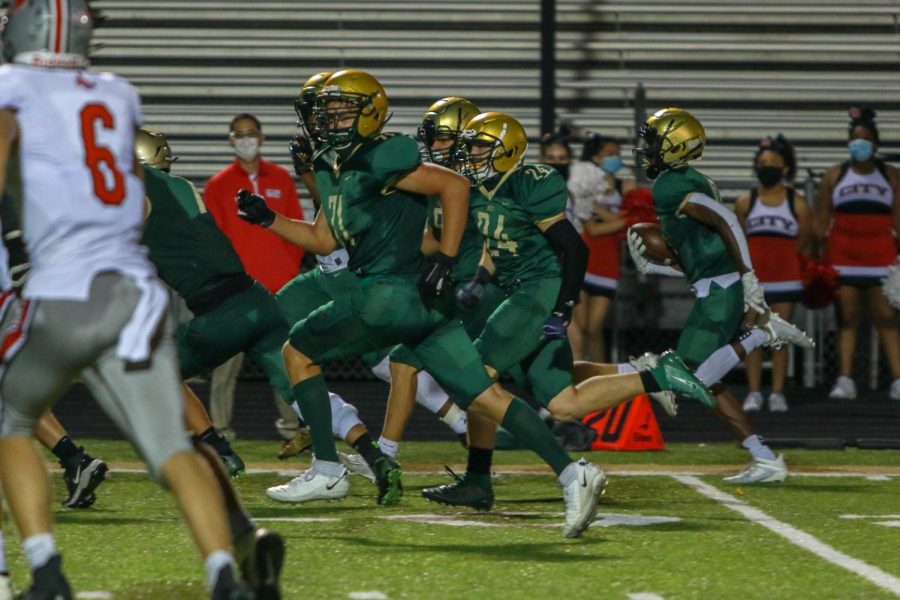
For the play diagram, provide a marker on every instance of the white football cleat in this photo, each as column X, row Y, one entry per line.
column 844, row 389
column 753, row 402
column 581, row 497
column 356, row 465
column 761, row 470
column 782, row 332
column 311, row 485
column 895, row 390
column 666, row 399
column 777, row 403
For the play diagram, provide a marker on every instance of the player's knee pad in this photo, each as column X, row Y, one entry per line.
column 383, row 370
column 428, row 393
column 344, row 416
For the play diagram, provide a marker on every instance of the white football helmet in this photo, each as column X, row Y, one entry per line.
column 48, row 33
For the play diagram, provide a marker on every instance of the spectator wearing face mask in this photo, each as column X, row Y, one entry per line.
column 597, row 197
column 858, row 219
column 268, row 259
column 779, row 227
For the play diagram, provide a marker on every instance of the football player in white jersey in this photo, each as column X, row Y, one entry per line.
column 92, row 304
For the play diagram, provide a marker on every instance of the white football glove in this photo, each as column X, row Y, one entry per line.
column 636, row 248
column 754, row 299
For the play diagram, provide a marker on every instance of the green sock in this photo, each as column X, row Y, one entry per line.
column 312, row 396
column 530, row 431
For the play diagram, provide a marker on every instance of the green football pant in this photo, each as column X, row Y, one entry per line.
column 249, row 322
column 713, row 322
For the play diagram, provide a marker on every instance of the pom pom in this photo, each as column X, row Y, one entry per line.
column 891, row 285
column 820, row 283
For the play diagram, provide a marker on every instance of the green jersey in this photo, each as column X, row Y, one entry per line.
column 507, row 218
column 381, row 227
column 701, row 250
column 189, row 250
column 470, row 247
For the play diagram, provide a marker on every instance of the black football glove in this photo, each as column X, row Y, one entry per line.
column 436, row 280
column 556, row 324
column 253, row 209
column 301, row 154
column 469, row 295
column 19, row 266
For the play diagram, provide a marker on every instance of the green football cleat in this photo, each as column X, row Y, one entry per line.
column 234, row 466
column 387, row 478
column 464, row 491
column 672, row 374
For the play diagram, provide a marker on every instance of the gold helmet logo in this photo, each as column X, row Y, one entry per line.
column 669, row 139
column 442, row 127
column 495, row 143
column 351, row 106
column 151, row 148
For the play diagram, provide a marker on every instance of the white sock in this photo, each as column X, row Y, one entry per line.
column 757, row 448
column 714, row 368
column 456, row 419
column 214, row 563
column 388, row 447
column 383, row 369
column 429, row 394
column 327, row 467
column 39, row 549
column 624, row 368
column 3, row 568
column 753, row 339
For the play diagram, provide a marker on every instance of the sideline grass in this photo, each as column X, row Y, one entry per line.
column 133, row 545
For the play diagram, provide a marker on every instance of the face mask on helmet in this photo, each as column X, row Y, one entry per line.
column 769, row 176
column 479, row 159
column 34, row 33
column 440, row 147
column 647, row 152
column 337, row 118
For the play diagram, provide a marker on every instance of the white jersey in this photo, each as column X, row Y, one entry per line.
column 83, row 207
column 779, row 221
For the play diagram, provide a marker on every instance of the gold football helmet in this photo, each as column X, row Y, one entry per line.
column 305, row 103
column 445, row 120
column 152, row 149
column 347, row 94
column 495, row 143
column 668, row 139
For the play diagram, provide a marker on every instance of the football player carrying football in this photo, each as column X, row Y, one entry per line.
column 713, row 255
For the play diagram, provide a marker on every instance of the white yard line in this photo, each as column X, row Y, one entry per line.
column 797, row 537
column 99, row 595
column 373, row 595
column 645, row 596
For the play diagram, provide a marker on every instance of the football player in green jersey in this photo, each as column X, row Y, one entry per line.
column 518, row 211
column 373, row 188
column 712, row 253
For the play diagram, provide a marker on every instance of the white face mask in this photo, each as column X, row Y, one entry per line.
column 246, row 148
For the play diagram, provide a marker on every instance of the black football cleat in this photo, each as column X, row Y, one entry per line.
column 260, row 555
column 83, row 480
column 227, row 587
column 388, row 479
column 462, row 492
column 49, row 583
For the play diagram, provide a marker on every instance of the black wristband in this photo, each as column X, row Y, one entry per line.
column 442, row 259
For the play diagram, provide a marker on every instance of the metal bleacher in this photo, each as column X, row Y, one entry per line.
column 748, row 68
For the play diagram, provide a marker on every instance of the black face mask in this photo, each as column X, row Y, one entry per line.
column 769, row 176
column 562, row 170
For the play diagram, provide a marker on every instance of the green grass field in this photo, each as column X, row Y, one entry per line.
column 656, row 536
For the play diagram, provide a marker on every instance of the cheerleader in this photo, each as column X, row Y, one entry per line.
column 597, row 197
column 858, row 217
column 779, row 227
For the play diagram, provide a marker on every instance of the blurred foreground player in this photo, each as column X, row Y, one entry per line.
column 92, row 304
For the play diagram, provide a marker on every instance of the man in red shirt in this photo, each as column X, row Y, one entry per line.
column 268, row 258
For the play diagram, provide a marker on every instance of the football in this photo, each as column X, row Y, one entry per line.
column 658, row 250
